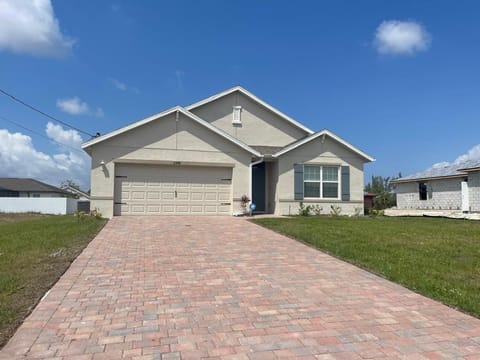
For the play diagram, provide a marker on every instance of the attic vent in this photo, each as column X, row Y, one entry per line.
column 237, row 115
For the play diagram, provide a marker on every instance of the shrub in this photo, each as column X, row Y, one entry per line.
column 97, row 214
column 80, row 215
column 317, row 209
column 304, row 210
column 335, row 210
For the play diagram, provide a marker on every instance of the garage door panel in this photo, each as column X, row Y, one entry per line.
column 196, row 196
column 137, row 209
column 153, row 209
column 210, row 196
column 179, row 209
column 196, row 209
column 138, row 195
column 210, row 209
column 183, row 195
column 153, row 190
column 168, row 195
column 224, row 209
column 153, row 195
column 141, row 184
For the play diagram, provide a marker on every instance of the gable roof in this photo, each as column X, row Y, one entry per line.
column 454, row 170
column 316, row 135
column 254, row 98
column 165, row 113
column 28, row 185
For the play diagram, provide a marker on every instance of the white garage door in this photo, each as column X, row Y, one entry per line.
column 175, row 190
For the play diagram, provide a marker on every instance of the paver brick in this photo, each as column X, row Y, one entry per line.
column 224, row 288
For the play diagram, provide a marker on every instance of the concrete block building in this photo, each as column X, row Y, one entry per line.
column 450, row 187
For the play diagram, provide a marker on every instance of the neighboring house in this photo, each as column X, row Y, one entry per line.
column 17, row 187
column 202, row 158
column 29, row 195
column 77, row 193
column 451, row 187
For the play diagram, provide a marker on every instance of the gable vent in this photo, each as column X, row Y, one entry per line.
column 237, row 115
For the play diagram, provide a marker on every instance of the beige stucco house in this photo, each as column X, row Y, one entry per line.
column 201, row 159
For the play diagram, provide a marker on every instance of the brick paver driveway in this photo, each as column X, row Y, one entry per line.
column 220, row 287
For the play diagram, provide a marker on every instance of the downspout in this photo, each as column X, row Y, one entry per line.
column 251, row 180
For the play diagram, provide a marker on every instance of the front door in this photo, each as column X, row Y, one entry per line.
column 465, row 202
column 258, row 186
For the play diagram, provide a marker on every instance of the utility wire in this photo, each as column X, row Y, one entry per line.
column 43, row 113
column 40, row 134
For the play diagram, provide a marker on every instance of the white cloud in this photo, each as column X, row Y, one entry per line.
column 472, row 154
column 401, row 37
column 30, row 26
column 73, row 106
column 118, row 84
column 19, row 158
column 68, row 137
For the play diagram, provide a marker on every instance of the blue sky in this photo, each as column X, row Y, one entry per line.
column 398, row 79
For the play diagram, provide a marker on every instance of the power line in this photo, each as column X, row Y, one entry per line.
column 43, row 113
column 39, row 134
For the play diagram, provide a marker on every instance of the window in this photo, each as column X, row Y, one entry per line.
column 9, row 193
column 320, row 182
column 237, row 115
column 422, row 191
column 35, row 195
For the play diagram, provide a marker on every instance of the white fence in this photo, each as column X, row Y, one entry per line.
column 57, row 206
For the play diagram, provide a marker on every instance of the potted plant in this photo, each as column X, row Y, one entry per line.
column 244, row 200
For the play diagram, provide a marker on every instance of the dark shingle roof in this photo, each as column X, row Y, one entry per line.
column 447, row 170
column 18, row 184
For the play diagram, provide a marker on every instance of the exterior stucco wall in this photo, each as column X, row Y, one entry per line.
column 329, row 152
column 474, row 190
column 259, row 125
column 271, row 180
column 165, row 141
column 442, row 194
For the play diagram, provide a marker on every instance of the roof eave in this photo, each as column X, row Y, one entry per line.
column 133, row 125
column 470, row 169
column 317, row 135
column 88, row 144
column 403, row 181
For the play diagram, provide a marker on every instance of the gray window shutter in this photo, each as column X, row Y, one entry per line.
column 298, row 181
column 345, row 183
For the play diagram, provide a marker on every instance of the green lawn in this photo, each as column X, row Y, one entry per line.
column 439, row 258
column 35, row 250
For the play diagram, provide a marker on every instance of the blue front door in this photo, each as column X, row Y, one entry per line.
column 258, row 186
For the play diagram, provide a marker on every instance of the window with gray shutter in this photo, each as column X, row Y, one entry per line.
column 345, row 183
column 298, row 181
